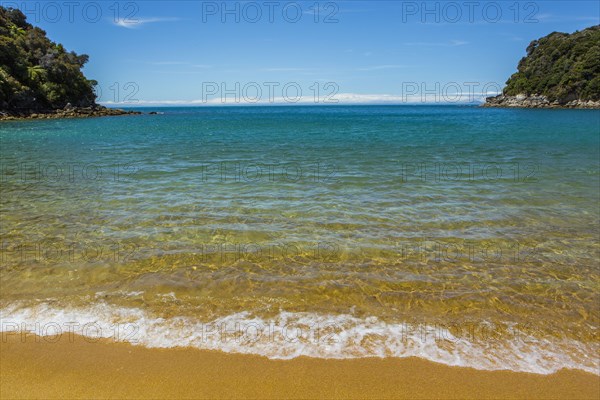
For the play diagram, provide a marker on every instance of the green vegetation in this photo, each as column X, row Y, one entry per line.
column 37, row 74
column 561, row 67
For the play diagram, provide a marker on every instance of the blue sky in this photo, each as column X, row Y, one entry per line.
column 194, row 52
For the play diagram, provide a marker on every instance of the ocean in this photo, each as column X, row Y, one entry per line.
column 462, row 235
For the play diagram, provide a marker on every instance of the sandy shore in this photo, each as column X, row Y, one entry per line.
column 74, row 367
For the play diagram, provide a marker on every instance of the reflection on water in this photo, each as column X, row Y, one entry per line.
column 420, row 215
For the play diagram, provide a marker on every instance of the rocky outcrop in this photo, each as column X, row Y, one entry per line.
column 67, row 112
column 560, row 66
column 560, row 70
column 40, row 79
column 537, row 101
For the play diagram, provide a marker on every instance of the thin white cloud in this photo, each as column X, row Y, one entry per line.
column 381, row 67
column 546, row 17
column 318, row 10
column 339, row 99
column 512, row 37
column 168, row 63
column 139, row 22
column 179, row 72
column 287, row 69
column 451, row 43
column 543, row 17
column 179, row 63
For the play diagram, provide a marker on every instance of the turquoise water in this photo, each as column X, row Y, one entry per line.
column 463, row 235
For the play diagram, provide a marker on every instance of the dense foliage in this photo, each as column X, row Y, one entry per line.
column 36, row 73
column 560, row 66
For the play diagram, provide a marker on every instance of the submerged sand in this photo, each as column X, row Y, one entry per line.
column 75, row 367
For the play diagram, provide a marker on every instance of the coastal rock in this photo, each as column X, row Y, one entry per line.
column 46, row 95
column 537, row 101
column 560, row 70
column 71, row 112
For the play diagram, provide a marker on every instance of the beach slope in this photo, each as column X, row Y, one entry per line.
column 74, row 367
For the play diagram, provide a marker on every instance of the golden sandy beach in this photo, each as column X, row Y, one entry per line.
column 74, row 367
column 299, row 199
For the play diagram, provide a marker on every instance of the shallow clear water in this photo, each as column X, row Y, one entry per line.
column 464, row 235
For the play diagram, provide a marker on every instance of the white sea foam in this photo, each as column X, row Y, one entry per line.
column 291, row 335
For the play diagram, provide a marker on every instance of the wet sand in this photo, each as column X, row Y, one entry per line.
column 75, row 367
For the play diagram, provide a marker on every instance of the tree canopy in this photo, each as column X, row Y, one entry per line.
column 37, row 73
column 560, row 66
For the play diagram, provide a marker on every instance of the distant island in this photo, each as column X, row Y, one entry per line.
column 560, row 71
column 40, row 78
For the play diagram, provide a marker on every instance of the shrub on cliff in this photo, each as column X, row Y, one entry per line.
column 35, row 72
column 561, row 67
